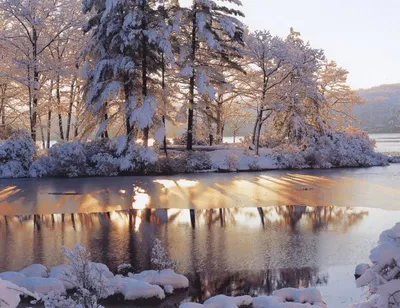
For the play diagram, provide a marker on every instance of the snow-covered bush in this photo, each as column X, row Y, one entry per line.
column 174, row 163
column 137, row 159
column 159, row 257
column 198, row 160
column 91, row 281
column 16, row 155
column 349, row 148
column 66, row 159
column 232, row 161
column 197, row 140
column 382, row 278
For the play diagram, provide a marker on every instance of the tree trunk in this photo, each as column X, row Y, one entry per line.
column 128, row 89
column 71, row 104
column 42, row 133
column 220, row 134
column 49, row 114
column 35, row 93
column 165, row 103
column 104, row 134
column 189, row 143
column 144, row 72
column 260, row 120
column 3, row 105
column 58, row 96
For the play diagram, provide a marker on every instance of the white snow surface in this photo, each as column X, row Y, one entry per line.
column 361, row 269
column 168, row 289
column 284, row 298
column 64, row 274
column 12, row 276
column 133, row 289
column 163, row 278
column 35, row 270
column 42, row 285
column 10, row 294
column 246, row 160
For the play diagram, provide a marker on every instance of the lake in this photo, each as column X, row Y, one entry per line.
column 244, row 233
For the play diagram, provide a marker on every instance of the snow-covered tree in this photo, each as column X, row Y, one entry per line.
column 299, row 104
column 29, row 29
column 128, row 40
column 340, row 98
column 213, row 38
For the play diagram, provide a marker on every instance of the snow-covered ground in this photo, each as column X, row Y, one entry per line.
column 19, row 157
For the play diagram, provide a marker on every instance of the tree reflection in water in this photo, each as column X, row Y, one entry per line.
column 232, row 251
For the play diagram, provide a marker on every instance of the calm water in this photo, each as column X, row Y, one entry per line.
column 248, row 233
column 387, row 142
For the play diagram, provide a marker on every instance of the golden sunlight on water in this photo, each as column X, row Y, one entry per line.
column 342, row 187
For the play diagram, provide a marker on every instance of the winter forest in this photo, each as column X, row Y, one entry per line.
column 99, row 76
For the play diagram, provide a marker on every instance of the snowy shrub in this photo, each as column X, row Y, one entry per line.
column 289, row 156
column 137, row 159
column 349, row 148
column 159, row 256
column 67, row 159
column 16, row 155
column 254, row 164
column 232, row 161
column 174, row 163
column 198, row 160
column 383, row 276
column 90, row 281
column 102, row 164
column 197, row 139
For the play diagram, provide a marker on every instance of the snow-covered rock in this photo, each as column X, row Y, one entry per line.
column 168, row 289
column 42, row 285
column 98, row 269
column 284, row 298
column 64, row 274
column 163, row 278
column 267, row 302
column 133, row 289
column 308, row 295
column 223, row 301
column 35, row 270
column 12, row 276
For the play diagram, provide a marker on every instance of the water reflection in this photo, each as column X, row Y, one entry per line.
column 225, row 250
column 372, row 187
column 237, row 239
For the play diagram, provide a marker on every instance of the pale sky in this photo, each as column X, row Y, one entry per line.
column 362, row 36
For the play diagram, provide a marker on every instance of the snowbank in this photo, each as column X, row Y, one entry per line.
column 12, row 276
column 284, row 298
column 64, row 274
column 41, row 285
column 133, row 289
column 163, row 278
column 35, row 270
column 383, row 276
column 10, row 294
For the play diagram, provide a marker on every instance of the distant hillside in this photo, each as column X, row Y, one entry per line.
column 375, row 114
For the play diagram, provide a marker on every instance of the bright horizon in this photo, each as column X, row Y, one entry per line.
column 361, row 36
